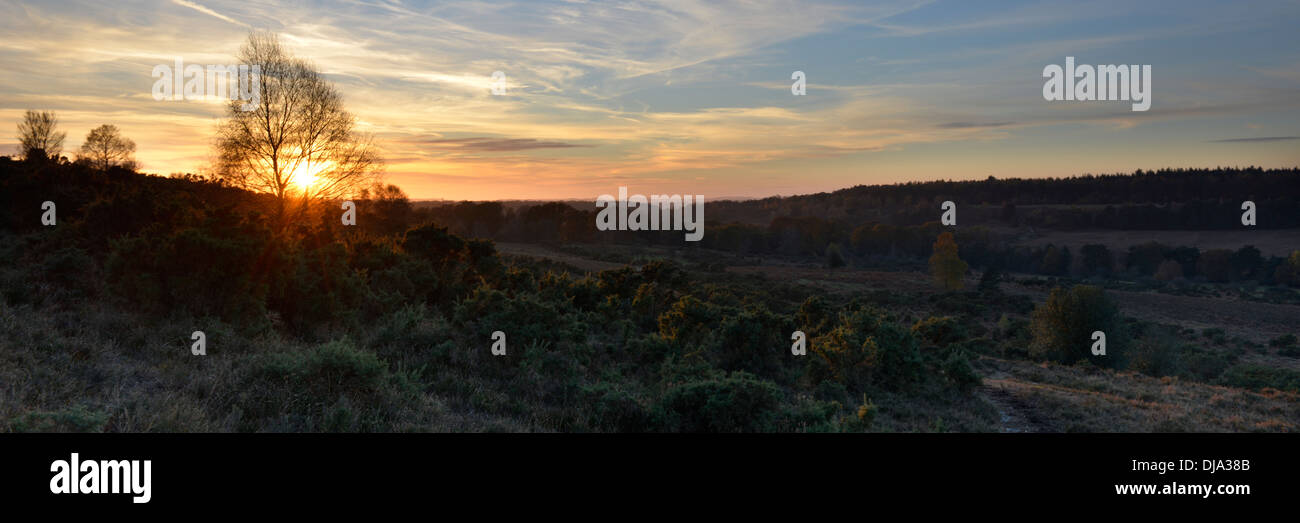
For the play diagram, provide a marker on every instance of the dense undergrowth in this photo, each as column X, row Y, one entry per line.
column 388, row 325
column 318, row 327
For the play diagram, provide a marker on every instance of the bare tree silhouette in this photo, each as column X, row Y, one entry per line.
column 106, row 147
column 299, row 143
column 38, row 137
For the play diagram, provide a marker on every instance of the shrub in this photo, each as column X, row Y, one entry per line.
column 523, row 316
column 808, row 415
column 333, row 386
column 1156, row 353
column 1246, row 262
column 1146, row 258
column 221, row 268
column 1062, row 327
column 754, row 340
column 989, row 280
column 71, row 268
column 866, row 350
column 1215, row 265
column 739, row 402
column 317, row 289
column 1205, row 365
column 958, row 370
column 1169, row 270
column 892, row 356
column 1009, row 327
column 939, row 331
column 1261, row 377
column 815, row 316
column 1288, row 272
column 615, row 409
column 434, row 243
column 688, row 321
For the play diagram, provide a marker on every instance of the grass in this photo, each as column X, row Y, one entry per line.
column 1059, row 398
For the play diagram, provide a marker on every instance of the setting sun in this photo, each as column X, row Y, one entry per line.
column 308, row 176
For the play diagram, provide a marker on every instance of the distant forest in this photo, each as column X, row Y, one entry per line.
column 898, row 222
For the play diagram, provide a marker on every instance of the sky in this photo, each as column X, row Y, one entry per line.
column 690, row 97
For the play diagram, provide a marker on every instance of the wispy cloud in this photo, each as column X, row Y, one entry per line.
column 1258, row 139
column 683, row 92
column 495, row 144
column 208, row 12
column 974, row 125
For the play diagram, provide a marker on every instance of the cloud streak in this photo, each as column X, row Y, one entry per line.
column 1261, row 139
column 495, row 144
column 208, row 12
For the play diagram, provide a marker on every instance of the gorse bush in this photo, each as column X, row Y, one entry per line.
column 527, row 316
column 753, row 340
column 939, row 331
column 316, row 290
column 689, row 321
column 615, row 409
column 221, row 267
column 71, row 268
column 815, row 316
column 738, row 402
column 329, row 387
column 867, row 350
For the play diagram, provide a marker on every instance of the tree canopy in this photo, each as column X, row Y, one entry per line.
column 298, row 143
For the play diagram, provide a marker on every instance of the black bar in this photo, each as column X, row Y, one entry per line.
column 327, row 471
